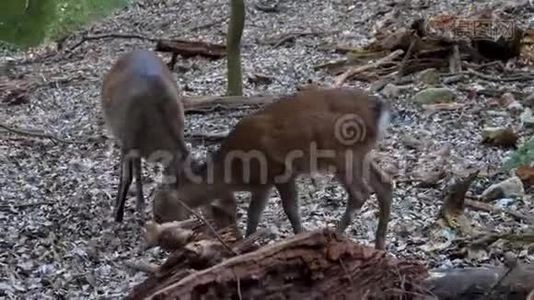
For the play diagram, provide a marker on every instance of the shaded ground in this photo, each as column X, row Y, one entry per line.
column 58, row 238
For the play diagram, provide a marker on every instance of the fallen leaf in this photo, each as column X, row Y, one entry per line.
column 506, row 99
column 526, row 174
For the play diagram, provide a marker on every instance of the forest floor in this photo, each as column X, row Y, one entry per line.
column 58, row 239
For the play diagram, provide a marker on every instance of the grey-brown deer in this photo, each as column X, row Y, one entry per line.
column 143, row 109
column 311, row 131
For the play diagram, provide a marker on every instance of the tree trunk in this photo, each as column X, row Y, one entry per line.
column 233, row 46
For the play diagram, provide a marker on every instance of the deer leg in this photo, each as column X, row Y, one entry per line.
column 289, row 195
column 125, row 181
column 357, row 194
column 138, row 172
column 383, row 187
column 257, row 204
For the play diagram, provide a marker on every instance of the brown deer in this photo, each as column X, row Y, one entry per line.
column 314, row 130
column 143, row 109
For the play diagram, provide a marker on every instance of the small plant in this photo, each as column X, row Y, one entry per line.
column 522, row 156
column 28, row 23
column 72, row 14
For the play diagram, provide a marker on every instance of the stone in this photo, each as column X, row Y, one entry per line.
column 511, row 187
column 529, row 101
column 391, row 91
column 434, row 95
column 429, row 76
column 499, row 136
column 527, row 118
column 515, row 107
column 508, row 100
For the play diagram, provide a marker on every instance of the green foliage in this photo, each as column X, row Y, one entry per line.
column 523, row 156
column 72, row 14
column 27, row 23
column 24, row 23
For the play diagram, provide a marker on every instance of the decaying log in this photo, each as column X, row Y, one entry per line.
column 318, row 264
column 188, row 49
column 482, row 283
column 321, row 265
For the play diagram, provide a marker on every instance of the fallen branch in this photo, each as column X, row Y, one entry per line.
column 490, row 92
column 402, row 67
column 86, row 38
column 206, row 137
column 332, row 64
column 26, row 132
column 352, row 71
column 478, row 205
column 487, row 240
column 209, row 24
column 213, row 103
column 518, row 77
column 188, row 49
column 290, row 36
column 474, row 283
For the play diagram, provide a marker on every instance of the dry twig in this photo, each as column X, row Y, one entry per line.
column 206, row 137
column 285, row 37
column 86, row 38
column 213, row 231
column 518, row 77
column 492, row 209
column 353, row 71
column 26, row 132
column 405, row 59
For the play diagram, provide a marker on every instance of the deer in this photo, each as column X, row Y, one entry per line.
column 142, row 108
column 317, row 130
